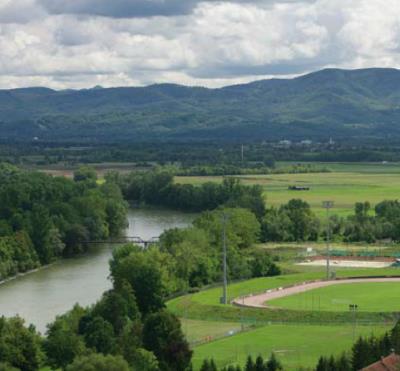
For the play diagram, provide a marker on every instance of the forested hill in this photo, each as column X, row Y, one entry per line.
column 334, row 103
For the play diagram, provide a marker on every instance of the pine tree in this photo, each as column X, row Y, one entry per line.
column 322, row 364
column 273, row 364
column 249, row 364
column 385, row 345
column 213, row 366
column 343, row 363
column 395, row 338
column 205, row 366
column 331, row 364
column 259, row 366
column 361, row 356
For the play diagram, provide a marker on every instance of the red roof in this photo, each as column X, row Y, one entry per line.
column 389, row 363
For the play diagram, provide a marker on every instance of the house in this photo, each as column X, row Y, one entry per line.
column 389, row 363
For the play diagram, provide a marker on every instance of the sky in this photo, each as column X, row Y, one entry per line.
column 83, row 43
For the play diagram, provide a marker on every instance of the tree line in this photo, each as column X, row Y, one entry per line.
column 295, row 221
column 272, row 364
column 44, row 217
column 158, row 188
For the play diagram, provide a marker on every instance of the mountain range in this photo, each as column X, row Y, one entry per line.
column 342, row 104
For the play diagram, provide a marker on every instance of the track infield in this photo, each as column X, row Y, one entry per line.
column 370, row 294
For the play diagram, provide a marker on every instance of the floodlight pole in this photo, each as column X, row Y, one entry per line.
column 224, row 298
column 328, row 205
column 353, row 308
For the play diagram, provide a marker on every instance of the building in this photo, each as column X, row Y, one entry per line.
column 389, row 363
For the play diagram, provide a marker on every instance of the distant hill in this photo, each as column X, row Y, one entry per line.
column 328, row 103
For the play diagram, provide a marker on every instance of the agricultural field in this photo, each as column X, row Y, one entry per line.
column 345, row 185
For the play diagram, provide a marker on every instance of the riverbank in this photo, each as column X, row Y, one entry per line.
column 19, row 275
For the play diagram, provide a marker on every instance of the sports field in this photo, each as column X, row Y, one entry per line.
column 346, row 184
column 370, row 297
column 294, row 345
column 297, row 334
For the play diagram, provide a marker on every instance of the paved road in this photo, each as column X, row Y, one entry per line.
column 261, row 300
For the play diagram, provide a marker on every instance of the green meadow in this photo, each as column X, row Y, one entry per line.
column 346, row 184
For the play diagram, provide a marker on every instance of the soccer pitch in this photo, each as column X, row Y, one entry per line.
column 369, row 297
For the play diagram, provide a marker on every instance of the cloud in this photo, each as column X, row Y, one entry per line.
column 136, row 8
column 210, row 43
column 19, row 11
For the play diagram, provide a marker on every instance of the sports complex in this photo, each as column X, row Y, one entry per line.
column 294, row 315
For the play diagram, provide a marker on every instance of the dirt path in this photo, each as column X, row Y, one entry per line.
column 260, row 300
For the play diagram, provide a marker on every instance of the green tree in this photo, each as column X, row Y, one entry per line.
column 395, row 337
column 259, row 364
column 20, row 347
column 99, row 362
column 99, row 335
column 273, row 364
column 85, row 174
column 162, row 334
column 118, row 307
column 63, row 344
column 250, row 366
column 145, row 361
column 145, row 277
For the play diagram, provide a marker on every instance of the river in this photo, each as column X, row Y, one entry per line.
column 39, row 296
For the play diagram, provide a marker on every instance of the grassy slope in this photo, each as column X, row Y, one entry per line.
column 293, row 344
column 349, row 183
column 370, row 297
column 200, row 331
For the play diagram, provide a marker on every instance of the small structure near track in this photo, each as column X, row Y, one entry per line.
column 298, row 188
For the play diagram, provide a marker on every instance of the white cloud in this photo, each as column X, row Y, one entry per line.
column 214, row 44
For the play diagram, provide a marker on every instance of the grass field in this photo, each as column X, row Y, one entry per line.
column 345, row 185
column 200, row 331
column 294, row 345
column 370, row 297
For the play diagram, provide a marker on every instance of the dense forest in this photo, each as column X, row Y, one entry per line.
column 349, row 105
column 44, row 217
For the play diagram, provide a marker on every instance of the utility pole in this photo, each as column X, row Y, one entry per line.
column 224, row 298
column 353, row 308
column 242, row 153
column 328, row 205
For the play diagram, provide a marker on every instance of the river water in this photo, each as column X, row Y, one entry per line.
column 39, row 296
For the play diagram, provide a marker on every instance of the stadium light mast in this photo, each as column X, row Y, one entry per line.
column 224, row 298
column 328, row 205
